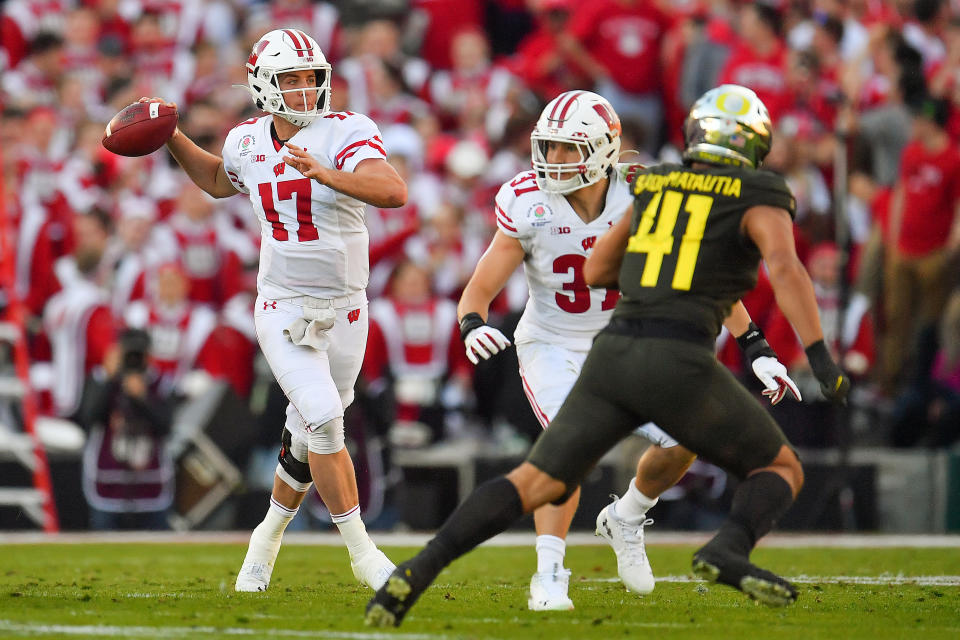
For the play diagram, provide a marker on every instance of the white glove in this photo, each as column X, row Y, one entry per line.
column 774, row 377
column 484, row 341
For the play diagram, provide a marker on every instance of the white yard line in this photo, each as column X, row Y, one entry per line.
column 511, row 539
column 883, row 580
column 30, row 629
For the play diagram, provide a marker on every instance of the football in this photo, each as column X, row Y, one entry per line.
column 141, row 128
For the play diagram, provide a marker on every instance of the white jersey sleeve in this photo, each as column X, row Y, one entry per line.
column 357, row 139
column 231, row 154
column 510, row 219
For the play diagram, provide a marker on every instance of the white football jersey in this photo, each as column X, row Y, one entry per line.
column 561, row 308
column 314, row 240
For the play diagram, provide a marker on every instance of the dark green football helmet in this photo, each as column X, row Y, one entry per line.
column 728, row 125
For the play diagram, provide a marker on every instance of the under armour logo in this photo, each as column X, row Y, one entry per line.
column 353, row 316
column 269, row 304
column 278, row 168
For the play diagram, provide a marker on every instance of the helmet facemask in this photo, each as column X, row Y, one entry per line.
column 566, row 177
column 284, row 51
column 585, row 120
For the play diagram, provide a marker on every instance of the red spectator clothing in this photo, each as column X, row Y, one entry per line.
column 782, row 337
column 115, row 27
column 880, row 209
column 544, row 68
column 34, row 16
column 80, row 328
column 319, row 20
column 949, row 90
column 12, row 43
column 759, row 303
column 177, row 335
column 180, row 20
column 763, row 74
column 419, row 339
column 389, row 229
column 625, row 39
column 446, row 19
column 213, row 268
column 931, row 191
column 228, row 355
column 414, row 342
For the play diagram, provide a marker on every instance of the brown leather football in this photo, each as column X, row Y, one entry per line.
column 141, row 128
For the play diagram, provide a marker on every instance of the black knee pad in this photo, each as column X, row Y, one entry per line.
column 299, row 471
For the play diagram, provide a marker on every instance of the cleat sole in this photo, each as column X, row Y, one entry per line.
column 769, row 593
column 378, row 616
column 398, row 588
column 705, row 570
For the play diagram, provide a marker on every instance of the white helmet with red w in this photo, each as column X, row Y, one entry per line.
column 582, row 118
column 281, row 51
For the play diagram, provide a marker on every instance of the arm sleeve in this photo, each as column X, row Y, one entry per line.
column 509, row 219
column 231, row 160
column 359, row 141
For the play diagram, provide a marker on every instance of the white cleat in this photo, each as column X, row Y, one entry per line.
column 548, row 591
column 372, row 568
column 626, row 538
column 253, row 577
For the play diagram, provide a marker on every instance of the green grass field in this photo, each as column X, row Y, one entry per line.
column 135, row 590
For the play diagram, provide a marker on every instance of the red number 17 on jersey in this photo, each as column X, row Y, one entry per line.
column 306, row 230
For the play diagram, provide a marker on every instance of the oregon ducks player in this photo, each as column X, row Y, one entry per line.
column 690, row 249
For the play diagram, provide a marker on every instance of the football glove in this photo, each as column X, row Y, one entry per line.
column 480, row 339
column 834, row 383
column 768, row 369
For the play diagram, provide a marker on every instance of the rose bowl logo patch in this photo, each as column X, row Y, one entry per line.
column 540, row 214
column 246, row 144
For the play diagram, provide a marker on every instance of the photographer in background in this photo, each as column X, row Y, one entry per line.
column 127, row 476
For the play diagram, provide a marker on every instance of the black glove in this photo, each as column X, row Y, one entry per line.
column 834, row 384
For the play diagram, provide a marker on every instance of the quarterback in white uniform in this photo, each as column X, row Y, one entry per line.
column 309, row 174
column 548, row 219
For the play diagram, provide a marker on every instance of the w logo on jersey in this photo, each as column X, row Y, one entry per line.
column 353, row 316
column 588, row 243
column 278, row 168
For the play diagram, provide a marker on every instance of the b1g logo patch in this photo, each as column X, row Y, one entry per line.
column 246, row 144
column 540, row 214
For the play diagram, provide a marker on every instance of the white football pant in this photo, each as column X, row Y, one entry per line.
column 318, row 384
column 548, row 372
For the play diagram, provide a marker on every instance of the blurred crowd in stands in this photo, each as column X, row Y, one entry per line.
column 865, row 100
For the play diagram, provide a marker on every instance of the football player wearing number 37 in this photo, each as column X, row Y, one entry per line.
column 309, row 174
column 682, row 257
column 549, row 220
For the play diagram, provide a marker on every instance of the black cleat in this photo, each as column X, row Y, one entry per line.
column 391, row 602
column 728, row 568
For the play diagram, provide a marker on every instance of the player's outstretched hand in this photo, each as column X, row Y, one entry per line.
column 834, row 383
column 773, row 375
column 305, row 163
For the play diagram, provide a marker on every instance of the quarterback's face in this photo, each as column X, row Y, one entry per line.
column 306, row 81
